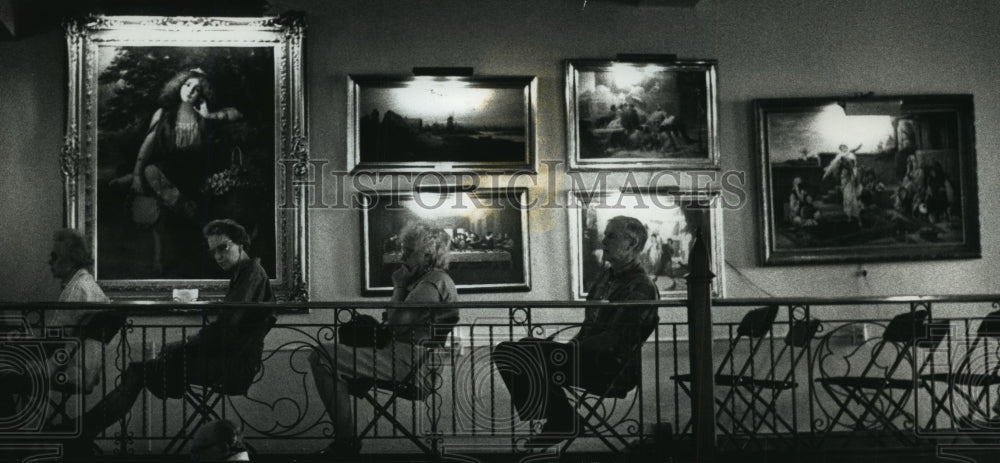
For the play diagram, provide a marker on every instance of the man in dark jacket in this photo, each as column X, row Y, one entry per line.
column 598, row 357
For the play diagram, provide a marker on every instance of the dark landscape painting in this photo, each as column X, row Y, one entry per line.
column 451, row 123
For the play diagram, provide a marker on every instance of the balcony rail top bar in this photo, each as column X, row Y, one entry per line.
column 539, row 304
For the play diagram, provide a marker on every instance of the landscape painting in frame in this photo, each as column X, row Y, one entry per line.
column 488, row 230
column 177, row 122
column 441, row 123
column 868, row 179
column 645, row 114
column 673, row 218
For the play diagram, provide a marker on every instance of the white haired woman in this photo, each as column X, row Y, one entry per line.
column 421, row 278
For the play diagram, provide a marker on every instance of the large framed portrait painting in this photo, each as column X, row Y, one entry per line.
column 174, row 122
column 868, row 179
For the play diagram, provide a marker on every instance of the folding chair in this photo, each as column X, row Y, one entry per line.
column 618, row 388
column 410, row 388
column 878, row 394
column 205, row 398
column 766, row 390
column 754, row 326
column 969, row 382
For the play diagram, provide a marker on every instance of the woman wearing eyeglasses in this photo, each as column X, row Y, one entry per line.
column 225, row 354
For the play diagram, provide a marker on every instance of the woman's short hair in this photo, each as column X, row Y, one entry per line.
column 170, row 95
column 229, row 228
column 634, row 229
column 74, row 247
column 432, row 241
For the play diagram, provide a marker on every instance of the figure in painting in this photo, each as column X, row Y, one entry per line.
column 845, row 159
column 175, row 143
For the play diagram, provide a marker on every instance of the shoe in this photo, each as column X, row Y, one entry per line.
column 80, row 449
column 542, row 441
column 343, row 448
column 554, row 433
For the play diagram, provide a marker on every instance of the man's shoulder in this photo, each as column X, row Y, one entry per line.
column 639, row 286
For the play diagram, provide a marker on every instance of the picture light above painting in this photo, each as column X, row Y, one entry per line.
column 441, row 123
column 868, row 179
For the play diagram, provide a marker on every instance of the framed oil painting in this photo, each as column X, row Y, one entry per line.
column 868, row 179
column 177, row 121
column 420, row 123
column 673, row 218
column 488, row 229
column 641, row 114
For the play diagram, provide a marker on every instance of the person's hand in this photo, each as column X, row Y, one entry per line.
column 402, row 276
column 202, row 109
column 137, row 184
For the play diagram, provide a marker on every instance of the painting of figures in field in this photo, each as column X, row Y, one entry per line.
column 868, row 181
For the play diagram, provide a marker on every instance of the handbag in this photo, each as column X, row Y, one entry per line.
column 364, row 331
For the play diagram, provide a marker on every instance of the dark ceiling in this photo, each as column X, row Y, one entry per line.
column 24, row 18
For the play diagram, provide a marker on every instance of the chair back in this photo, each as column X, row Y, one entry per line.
column 906, row 328
column 802, row 332
column 758, row 322
column 990, row 326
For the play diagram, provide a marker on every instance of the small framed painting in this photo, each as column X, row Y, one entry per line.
column 673, row 218
column 420, row 123
column 488, row 229
column 641, row 114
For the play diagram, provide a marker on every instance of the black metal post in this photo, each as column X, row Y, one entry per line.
column 699, row 313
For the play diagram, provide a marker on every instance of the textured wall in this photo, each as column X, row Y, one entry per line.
column 768, row 48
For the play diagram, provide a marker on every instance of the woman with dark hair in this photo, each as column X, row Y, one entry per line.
column 175, row 143
column 225, row 354
column 421, row 278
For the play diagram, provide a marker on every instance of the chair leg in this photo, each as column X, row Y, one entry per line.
column 202, row 412
column 382, row 411
column 591, row 412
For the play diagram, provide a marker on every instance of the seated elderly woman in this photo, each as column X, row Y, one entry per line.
column 69, row 262
column 91, row 328
column 421, row 278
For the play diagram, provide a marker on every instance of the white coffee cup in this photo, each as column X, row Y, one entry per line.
column 185, row 295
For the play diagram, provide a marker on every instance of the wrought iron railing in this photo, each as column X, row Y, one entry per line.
column 843, row 386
